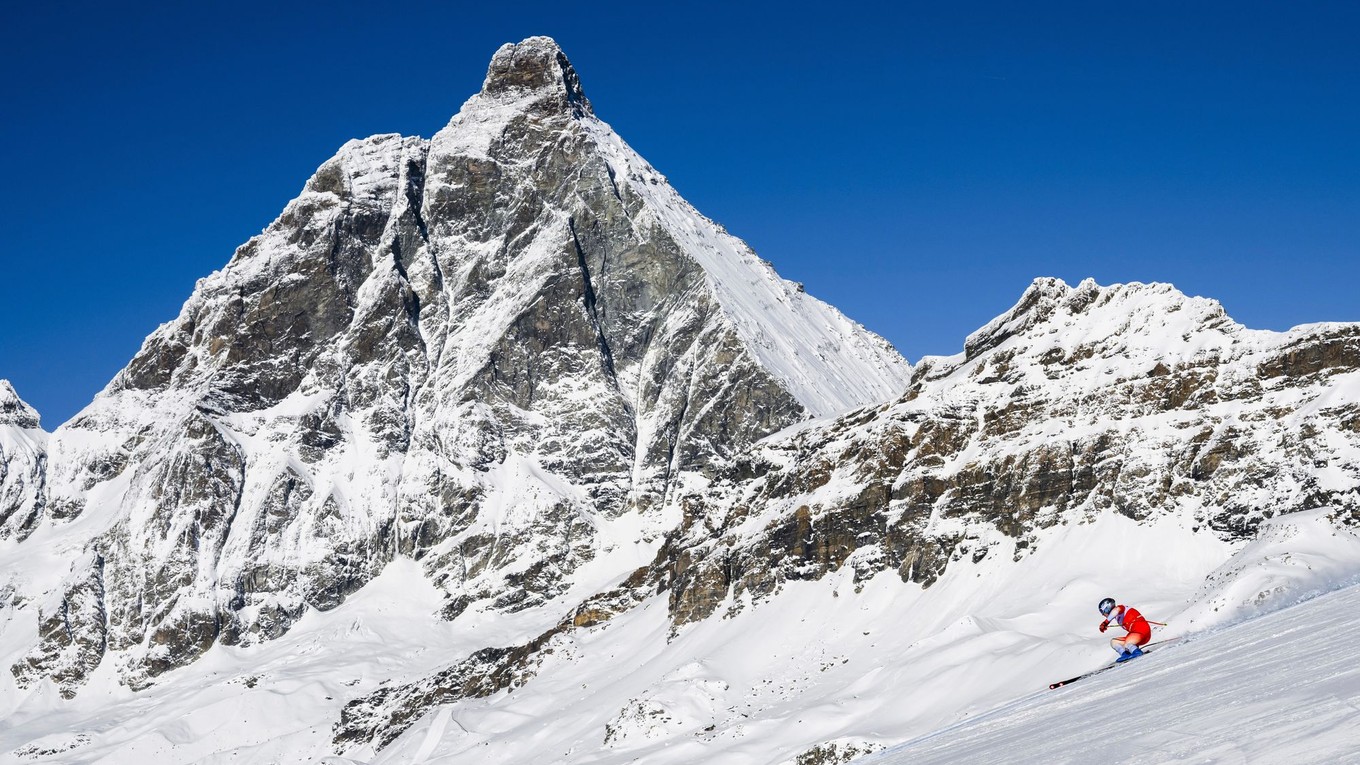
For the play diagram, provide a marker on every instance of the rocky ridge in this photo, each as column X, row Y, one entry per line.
column 1133, row 399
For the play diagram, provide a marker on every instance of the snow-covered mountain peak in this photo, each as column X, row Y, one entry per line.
column 531, row 134
column 505, row 352
column 13, row 410
column 535, row 68
column 1093, row 335
column 1050, row 306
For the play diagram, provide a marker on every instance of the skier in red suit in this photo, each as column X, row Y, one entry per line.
column 1139, row 631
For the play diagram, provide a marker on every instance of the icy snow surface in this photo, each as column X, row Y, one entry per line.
column 1283, row 688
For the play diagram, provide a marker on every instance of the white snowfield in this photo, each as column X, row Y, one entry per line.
column 824, row 665
column 1283, row 688
column 818, row 663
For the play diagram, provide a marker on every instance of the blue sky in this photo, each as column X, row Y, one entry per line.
column 914, row 164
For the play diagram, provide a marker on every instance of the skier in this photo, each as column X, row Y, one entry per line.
column 1140, row 632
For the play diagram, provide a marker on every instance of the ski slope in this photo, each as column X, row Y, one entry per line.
column 1281, row 688
column 820, row 663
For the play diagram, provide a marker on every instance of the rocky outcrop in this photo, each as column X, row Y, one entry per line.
column 837, row 752
column 378, row 718
column 72, row 629
column 472, row 350
column 23, row 465
column 13, row 411
column 1130, row 398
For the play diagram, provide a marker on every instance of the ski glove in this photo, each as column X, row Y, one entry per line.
column 1104, row 625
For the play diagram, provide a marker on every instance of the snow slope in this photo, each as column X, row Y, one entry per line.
column 1284, row 687
column 272, row 703
column 826, row 665
column 822, row 663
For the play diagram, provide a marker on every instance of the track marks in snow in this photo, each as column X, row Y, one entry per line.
column 433, row 735
column 1273, row 689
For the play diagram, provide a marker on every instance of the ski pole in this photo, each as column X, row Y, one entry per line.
column 1159, row 624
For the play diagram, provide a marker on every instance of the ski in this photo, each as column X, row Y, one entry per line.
column 1107, row 667
column 1071, row 680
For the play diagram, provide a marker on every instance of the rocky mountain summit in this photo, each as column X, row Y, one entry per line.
column 508, row 378
column 483, row 351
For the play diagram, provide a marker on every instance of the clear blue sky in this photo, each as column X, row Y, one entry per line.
column 914, row 164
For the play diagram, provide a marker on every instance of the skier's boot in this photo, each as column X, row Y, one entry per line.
column 1135, row 653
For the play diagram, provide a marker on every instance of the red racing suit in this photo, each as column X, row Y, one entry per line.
column 1131, row 620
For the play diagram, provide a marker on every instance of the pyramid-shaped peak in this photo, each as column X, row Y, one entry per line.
column 536, row 66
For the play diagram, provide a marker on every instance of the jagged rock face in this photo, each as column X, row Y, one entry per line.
column 474, row 350
column 1132, row 398
column 23, row 465
column 73, row 632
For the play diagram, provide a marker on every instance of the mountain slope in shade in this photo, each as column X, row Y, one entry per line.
column 502, row 351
